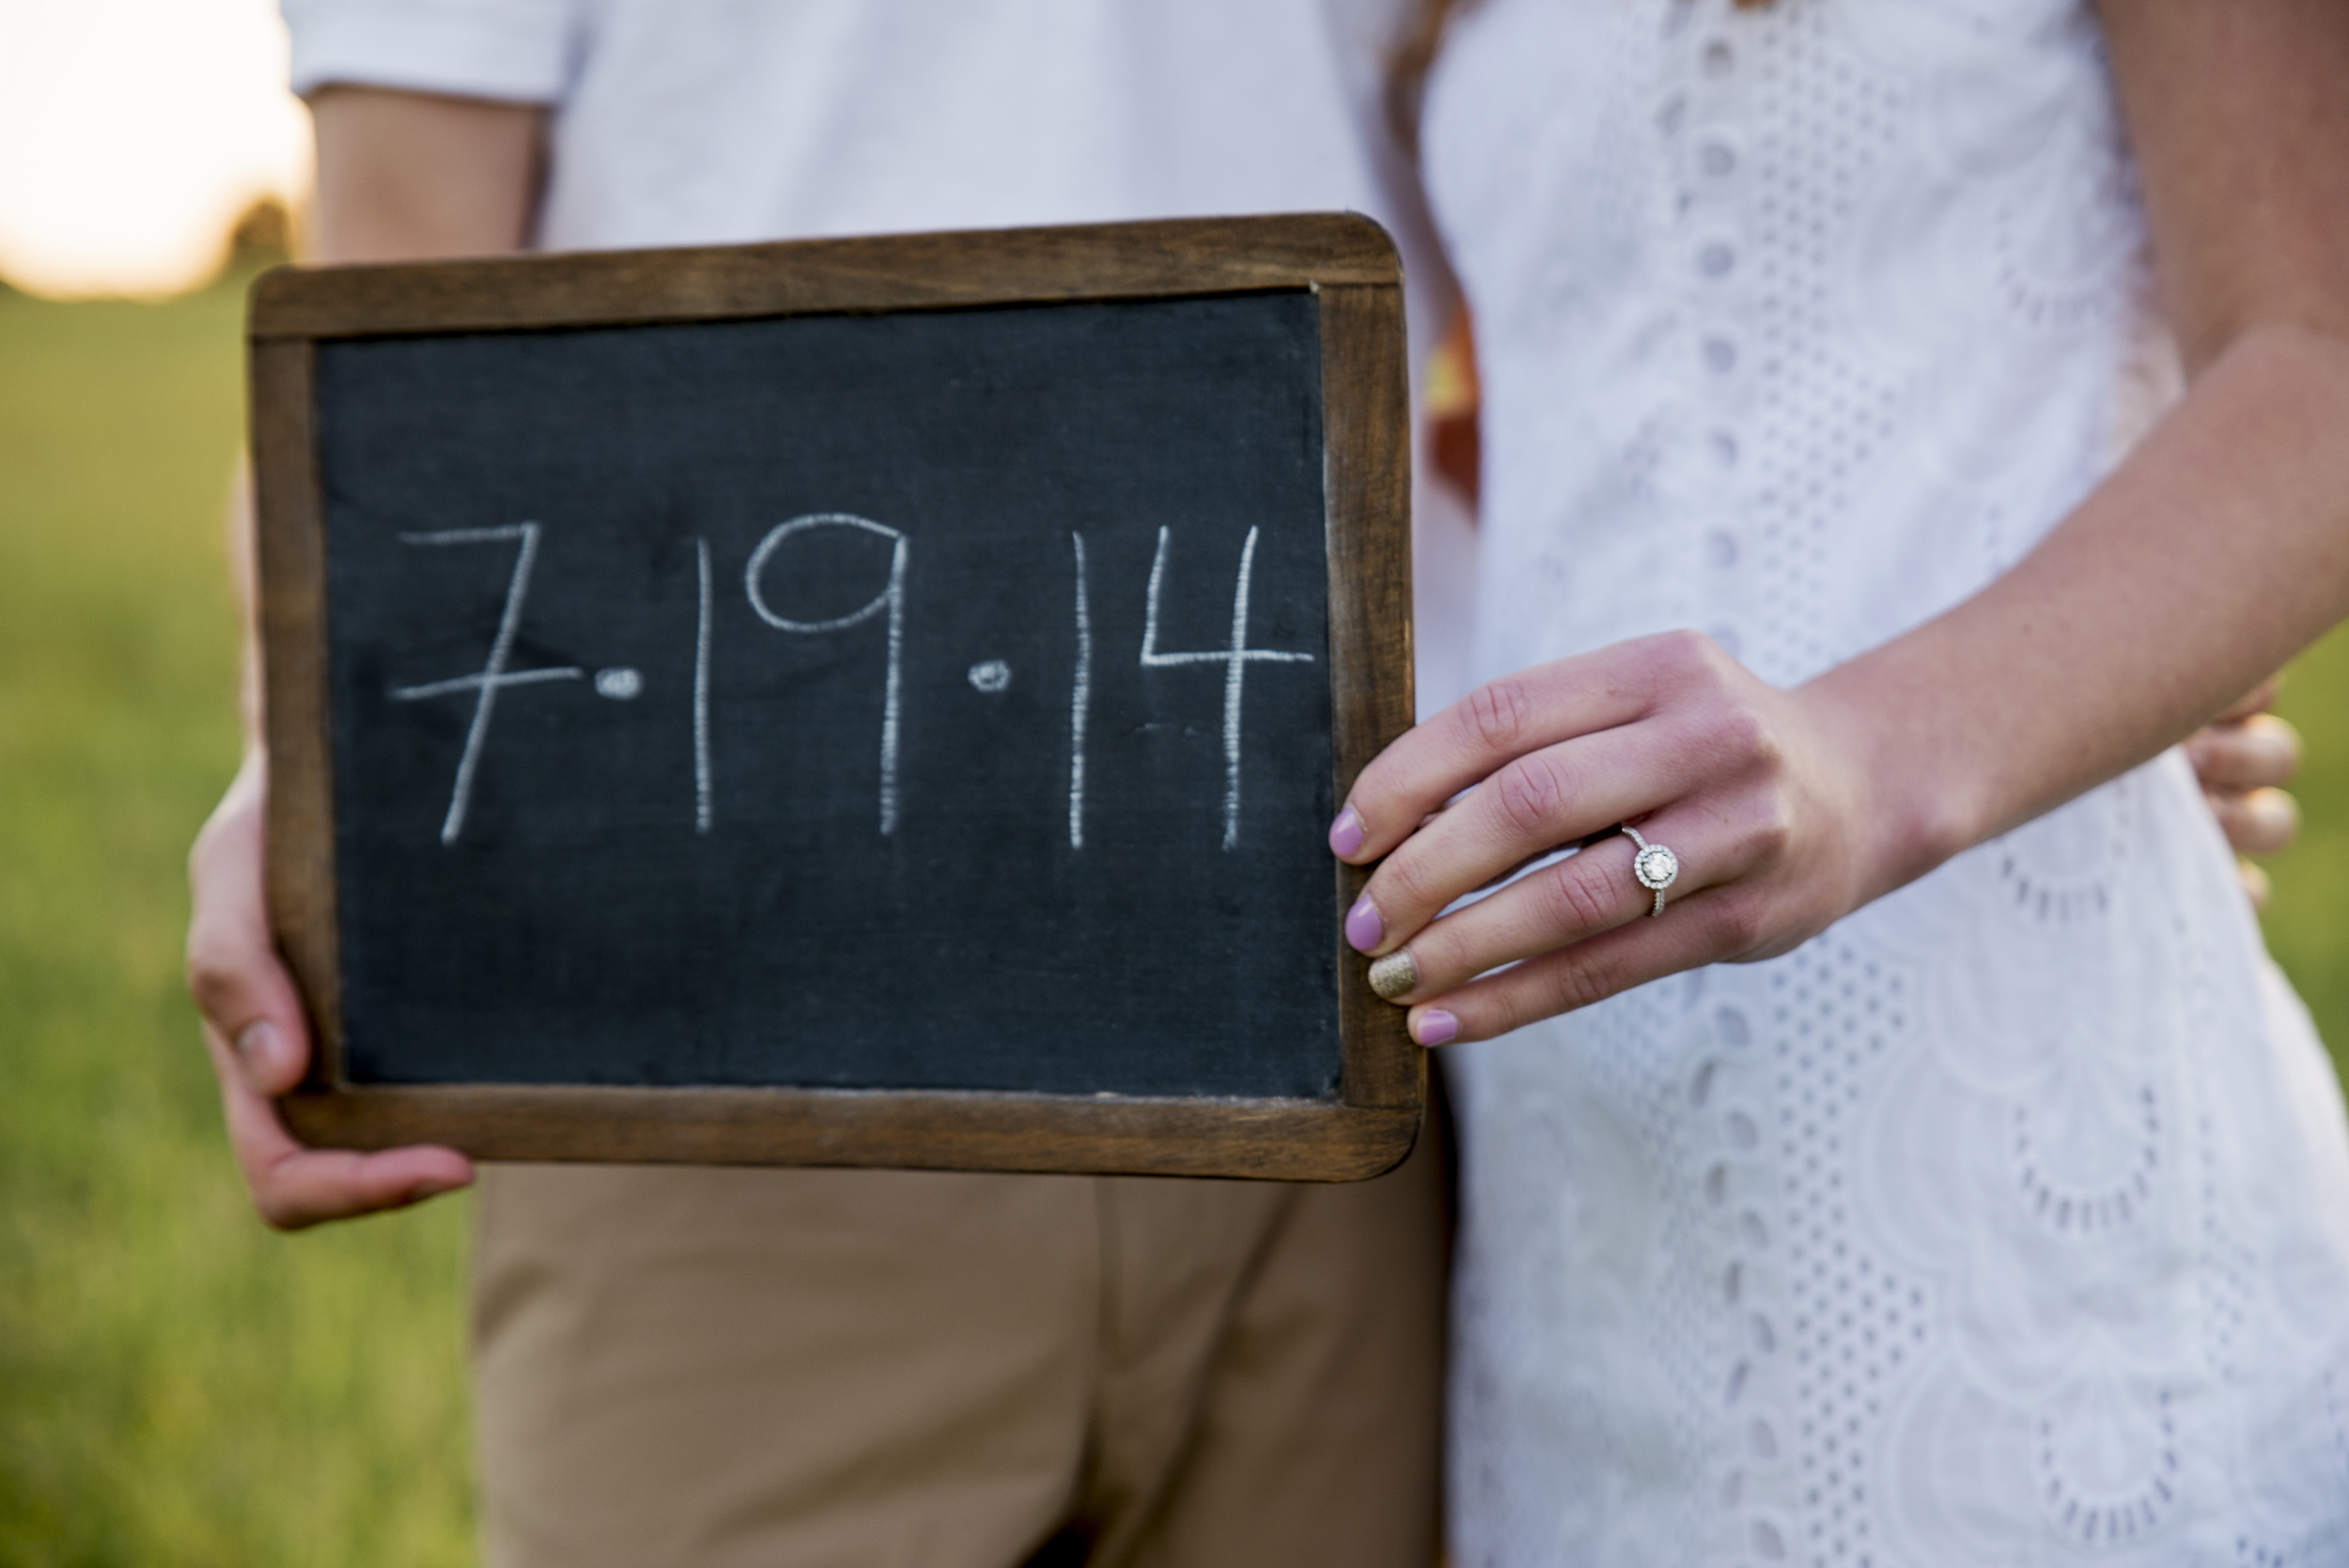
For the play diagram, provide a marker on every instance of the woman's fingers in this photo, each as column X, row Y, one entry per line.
column 1495, row 724
column 1531, row 807
column 1561, row 903
column 1755, row 790
column 1713, row 926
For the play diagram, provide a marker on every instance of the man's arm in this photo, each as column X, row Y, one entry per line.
column 401, row 176
column 411, row 177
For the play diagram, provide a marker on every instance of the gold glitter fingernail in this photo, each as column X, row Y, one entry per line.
column 1394, row 975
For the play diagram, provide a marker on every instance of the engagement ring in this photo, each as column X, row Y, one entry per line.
column 1656, row 866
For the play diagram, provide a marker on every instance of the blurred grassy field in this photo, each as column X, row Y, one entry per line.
column 178, row 1385
column 2307, row 919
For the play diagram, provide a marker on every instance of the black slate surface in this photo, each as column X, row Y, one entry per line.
column 685, row 860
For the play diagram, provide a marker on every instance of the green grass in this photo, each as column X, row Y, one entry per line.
column 178, row 1385
column 2307, row 919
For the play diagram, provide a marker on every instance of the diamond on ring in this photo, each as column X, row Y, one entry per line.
column 1656, row 866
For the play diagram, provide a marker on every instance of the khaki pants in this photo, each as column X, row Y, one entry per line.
column 685, row 1367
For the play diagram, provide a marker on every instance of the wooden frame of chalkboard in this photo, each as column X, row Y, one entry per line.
column 1343, row 265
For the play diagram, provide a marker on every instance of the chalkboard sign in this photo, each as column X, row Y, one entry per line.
column 849, row 701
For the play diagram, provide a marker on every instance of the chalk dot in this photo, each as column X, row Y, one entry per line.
column 619, row 683
column 990, row 677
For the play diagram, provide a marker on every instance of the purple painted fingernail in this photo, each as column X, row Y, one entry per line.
column 1434, row 1027
column 1363, row 928
column 1345, row 842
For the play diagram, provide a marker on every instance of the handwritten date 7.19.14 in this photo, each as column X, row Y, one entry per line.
column 772, row 558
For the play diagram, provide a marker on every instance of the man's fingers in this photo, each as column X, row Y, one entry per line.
column 318, row 1185
column 2253, row 754
column 293, row 1185
column 2240, row 764
column 259, row 1042
column 234, row 974
column 2256, row 887
column 2258, row 822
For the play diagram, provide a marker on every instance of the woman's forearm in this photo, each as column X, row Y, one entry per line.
column 2214, row 553
column 2217, row 550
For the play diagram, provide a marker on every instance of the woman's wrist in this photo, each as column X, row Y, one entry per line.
column 1917, row 799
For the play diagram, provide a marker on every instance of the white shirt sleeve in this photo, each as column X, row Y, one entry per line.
column 517, row 49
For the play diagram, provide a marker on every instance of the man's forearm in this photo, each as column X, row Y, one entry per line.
column 410, row 177
column 401, row 176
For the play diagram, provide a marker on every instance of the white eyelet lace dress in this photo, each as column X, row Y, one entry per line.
column 2007, row 1223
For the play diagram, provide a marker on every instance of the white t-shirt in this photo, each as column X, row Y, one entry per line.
column 716, row 121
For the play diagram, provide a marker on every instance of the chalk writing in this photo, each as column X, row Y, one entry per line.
column 702, row 802
column 1235, row 659
column 1079, row 703
column 988, row 677
column 890, row 598
column 493, row 676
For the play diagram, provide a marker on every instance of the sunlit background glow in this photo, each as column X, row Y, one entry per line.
column 134, row 133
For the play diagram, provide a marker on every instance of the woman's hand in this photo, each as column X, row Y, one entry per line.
column 1785, row 810
column 2215, row 552
column 1760, row 793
